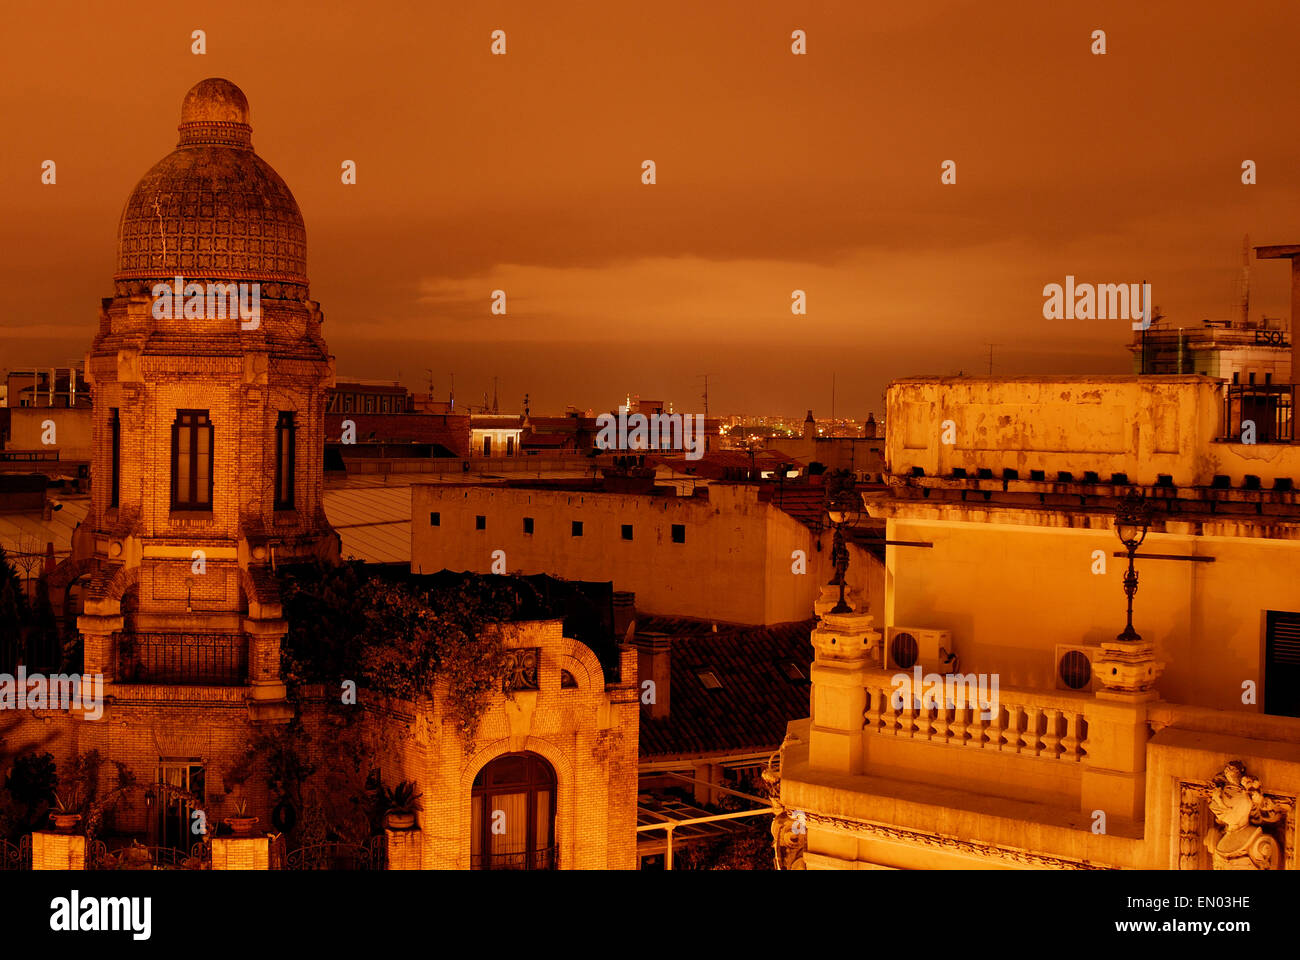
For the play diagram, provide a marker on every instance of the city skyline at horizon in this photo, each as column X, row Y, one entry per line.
column 774, row 174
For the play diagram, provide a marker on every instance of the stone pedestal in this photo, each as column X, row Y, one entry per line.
column 97, row 643
column 58, row 851
column 1114, row 771
column 845, row 645
column 241, row 853
column 405, row 849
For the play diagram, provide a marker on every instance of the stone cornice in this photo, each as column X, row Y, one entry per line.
column 977, row 848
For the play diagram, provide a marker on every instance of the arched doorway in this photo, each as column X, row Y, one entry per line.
column 513, row 815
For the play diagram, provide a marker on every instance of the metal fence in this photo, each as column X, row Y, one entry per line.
column 206, row 658
column 543, row 859
column 337, row 855
column 16, row 856
column 1259, row 413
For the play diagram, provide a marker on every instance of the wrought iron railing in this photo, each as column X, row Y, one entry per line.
column 337, row 855
column 139, row 857
column 16, row 856
column 206, row 658
column 1259, row 413
column 543, row 859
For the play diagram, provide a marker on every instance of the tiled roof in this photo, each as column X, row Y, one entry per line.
column 28, row 533
column 757, row 699
column 373, row 522
column 806, row 502
column 448, row 430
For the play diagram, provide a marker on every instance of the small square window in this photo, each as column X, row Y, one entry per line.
column 480, row 523
column 627, row 531
column 792, row 670
column 528, row 525
column 435, row 519
column 679, row 533
column 710, row 680
column 577, row 528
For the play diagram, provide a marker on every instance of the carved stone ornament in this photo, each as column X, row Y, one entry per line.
column 1244, row 834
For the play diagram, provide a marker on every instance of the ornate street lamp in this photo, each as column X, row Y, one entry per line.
column 1132, row 520
column 844, row 507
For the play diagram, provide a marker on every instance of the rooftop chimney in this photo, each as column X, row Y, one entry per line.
column 653, row 660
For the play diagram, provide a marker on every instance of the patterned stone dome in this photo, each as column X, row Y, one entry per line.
column 213, row 209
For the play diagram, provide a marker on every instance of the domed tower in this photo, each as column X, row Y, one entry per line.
column 209, row 375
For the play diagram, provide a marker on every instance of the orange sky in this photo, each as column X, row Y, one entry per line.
column 775, row 172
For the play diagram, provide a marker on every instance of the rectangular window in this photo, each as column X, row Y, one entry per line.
column 577, row 528
column 435, row 519
column 528, row 525
column 627, row 531
column 480, row 523
column 284, row 460
column 192, row 461
column 510, row 446
column 679, row 533
column 1252, row 378
column 1282, row 663
column 115, row 433
column 487, row 446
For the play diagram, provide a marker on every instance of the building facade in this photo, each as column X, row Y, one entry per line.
column 1093, row 749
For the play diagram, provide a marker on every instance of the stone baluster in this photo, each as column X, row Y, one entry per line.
column 924, row 723
column 891, row 716
column 908, row 720
column 1051, row 735
column 958, row 726
column 941, row 722
column 873, row 709
column 1071, row 740
column 993, row 727
column 1011, row 733
column 1029, row 736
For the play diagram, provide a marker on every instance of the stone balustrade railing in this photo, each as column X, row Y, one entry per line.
column 1032, row 723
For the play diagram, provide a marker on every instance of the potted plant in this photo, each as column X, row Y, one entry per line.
column 401, row 804
column 67, row 813
column 241, row 824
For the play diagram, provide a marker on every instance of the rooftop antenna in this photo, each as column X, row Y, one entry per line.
column 1245, row 280
column 451, row 396
column 832, row 399
column 495, row 408
column 991, row 346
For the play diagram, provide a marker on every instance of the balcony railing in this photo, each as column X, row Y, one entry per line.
column 197, row 658
column 1259, row 413
column 1050, row 726
column 543, row 859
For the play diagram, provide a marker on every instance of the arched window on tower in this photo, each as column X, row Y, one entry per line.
column 192, row 461
column 115, row 441
column 512, row 820
column 284, row 458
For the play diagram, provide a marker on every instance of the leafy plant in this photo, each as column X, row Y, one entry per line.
column 402, row 798
column 398, row 639
column 240, row 805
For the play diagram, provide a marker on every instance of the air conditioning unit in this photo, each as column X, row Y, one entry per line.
column 1075, row 667
column 905, row 647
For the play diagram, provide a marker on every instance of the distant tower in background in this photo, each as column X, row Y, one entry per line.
column 809, row 427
